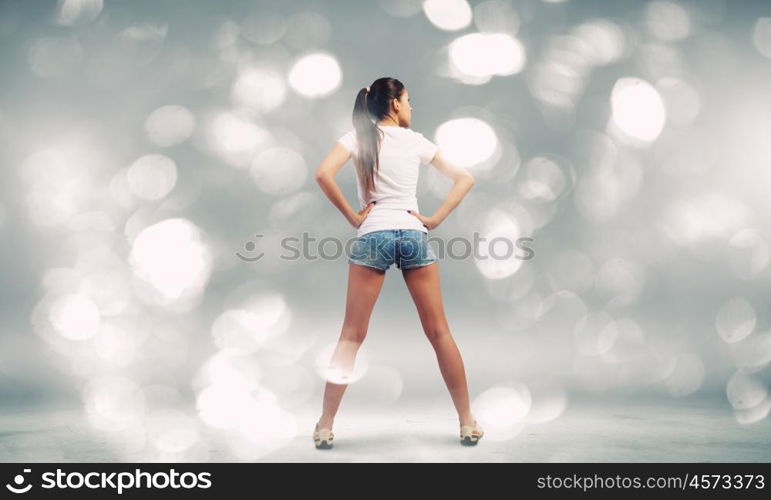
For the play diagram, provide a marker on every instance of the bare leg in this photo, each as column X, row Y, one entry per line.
column 423, row 284
column 364, row 284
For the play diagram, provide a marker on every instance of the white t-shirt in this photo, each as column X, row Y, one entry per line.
column 402, row 152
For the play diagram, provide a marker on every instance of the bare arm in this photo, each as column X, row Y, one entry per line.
column 325, row 177
column 462, row 183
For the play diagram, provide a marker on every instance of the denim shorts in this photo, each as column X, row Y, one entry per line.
column 407, row 248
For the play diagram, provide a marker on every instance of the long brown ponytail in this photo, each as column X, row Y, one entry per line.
column 370, row 107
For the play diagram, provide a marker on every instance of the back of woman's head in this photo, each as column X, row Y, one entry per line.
column 372, row 104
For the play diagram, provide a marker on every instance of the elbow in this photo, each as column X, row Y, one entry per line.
column 469, row 180
column 321, row 178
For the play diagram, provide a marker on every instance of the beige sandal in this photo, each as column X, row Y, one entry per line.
column 471, row 434
column 323, row 438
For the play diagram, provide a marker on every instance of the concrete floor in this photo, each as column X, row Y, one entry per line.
column 590, row 430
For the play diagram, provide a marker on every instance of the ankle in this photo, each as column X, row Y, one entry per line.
column 466, row 420
column 325, row 422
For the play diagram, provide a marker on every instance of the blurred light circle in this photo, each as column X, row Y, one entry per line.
column 496, row 254
column 113, row 403
column 761, row 36
column 257, row 319
column 496, row 16
column 482, row 55
column 628, row 345
column 545, row 180
column 239, row 331
column 226, row 406
column 171, row 430
column 74, row 316
column 152, row 176
column 604, row 41
column 238, row 373
column 620, row 277
column 116, row 345
column 307, row 29
column 169, row 125
column 745, row 391
column 660, row 60
column 637, row 108
column 260, row 89
column 236, row 138
column 555, row 83
column 735, row 320
column 339, row 371
column 682, row 101
column 562, row 311
column 251, row 414
column 264, row 28
column 279, row 171
column 173, row 257
column 595, row 333
column 466, row 141
column 141, row 43
column 512, row 288
column 226, row 34
column 294, row 208
column 549, row 400
column 667, row 21
column 571, row 270
column 521, row 314
column 709, row 216
column 73, row 12
column 315, row 75
column 748, row 253
column 754, row 414
column 752, row 353
column 270, row 307
column 501, row 410
column 687, row 376
column 448, row 15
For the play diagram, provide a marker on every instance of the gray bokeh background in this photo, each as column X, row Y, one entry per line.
column 145, row 143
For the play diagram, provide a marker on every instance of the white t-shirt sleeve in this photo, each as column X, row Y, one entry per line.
column 426, row 149
column 349, row 141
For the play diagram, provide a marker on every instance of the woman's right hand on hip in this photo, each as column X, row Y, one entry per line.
column 362, row 214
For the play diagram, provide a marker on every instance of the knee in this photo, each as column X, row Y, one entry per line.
column 434, row 333
column 353, row 334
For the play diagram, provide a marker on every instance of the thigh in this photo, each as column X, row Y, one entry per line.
column 364, row 285
column 425, row 289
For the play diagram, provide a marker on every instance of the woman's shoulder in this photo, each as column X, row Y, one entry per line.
column 348, row 139
column 350, row 132
column 411, row 133
column 416, row 134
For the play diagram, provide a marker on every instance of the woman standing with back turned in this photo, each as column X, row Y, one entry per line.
column 387, row 155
